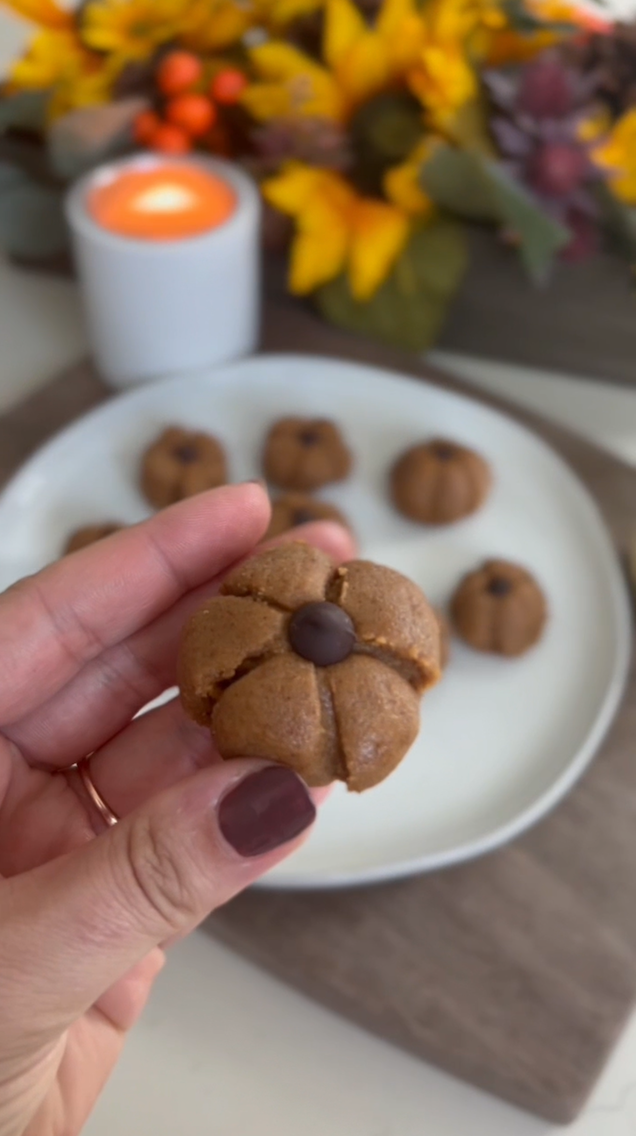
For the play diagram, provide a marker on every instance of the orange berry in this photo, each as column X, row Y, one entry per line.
column 169, row 139
column 228, row 86
column 178, row 71
column 193, row 113
column 145, row 127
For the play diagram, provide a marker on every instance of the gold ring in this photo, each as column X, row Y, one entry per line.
column 106, row 813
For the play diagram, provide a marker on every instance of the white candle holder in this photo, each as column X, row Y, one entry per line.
column 160, row 306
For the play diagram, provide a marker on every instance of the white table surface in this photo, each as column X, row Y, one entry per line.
column 224, row 1050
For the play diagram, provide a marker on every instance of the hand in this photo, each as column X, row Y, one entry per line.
column 84, row 645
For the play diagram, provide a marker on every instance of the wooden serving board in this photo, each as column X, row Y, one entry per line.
column 516, row 971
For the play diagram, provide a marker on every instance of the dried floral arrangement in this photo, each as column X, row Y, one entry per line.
column 379, row 132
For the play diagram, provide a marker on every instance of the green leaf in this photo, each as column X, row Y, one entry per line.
column 540, row 236
column 522, row 20
column 24, row 111
column 458, row 181
column 32, row 220
column 27, row 154
column 84, row 138
column 408, row 310
column 478, row 189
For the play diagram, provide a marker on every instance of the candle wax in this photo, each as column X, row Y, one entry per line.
column 162, row 203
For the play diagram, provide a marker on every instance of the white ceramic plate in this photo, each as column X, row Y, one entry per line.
column 501, row 742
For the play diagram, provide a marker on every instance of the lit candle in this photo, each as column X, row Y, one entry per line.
column 161, row 202
column 168, row 256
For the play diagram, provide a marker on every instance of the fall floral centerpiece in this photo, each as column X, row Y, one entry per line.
column 380, row 132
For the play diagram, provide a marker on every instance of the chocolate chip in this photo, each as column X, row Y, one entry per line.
column 302, row 516
column 186, row 453
column 309, row 437
column 322, row 633
column 499, row 586
column 444, row 451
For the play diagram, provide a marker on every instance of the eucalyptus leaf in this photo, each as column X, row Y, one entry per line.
column 408, row 310
column 28, row 154
column 540, row 236
column 479, row 189
column 25, row 110
column 84, row 138
column 32, row 220
column 523, row 21
column 458, row 181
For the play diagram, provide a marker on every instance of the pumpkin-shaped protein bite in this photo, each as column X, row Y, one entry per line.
column 305, row 453
column 317, row 667
column 179, row 464
column 444, row 639
column 439, row 482
column 292, row 509
column 499, row 608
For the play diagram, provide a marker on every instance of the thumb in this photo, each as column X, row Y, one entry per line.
column 71, row 928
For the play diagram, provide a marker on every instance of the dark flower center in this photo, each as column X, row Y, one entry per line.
column 322, row 633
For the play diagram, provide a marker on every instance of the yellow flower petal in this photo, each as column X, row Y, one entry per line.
column 290, row 190
column 265, row 101
column 380, row 234
column 276, row 14
column 402, row 186
column 444, row 80
column 618, row 155
column 131, row 27
column 277, row 61
column 211, row 25
column 49, row 56
column 392, row 16
column 320, row 248
column 46, row 13
column 364, row 72
column 344, row 26
column 308, row 88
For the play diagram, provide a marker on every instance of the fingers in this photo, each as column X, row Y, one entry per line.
column 152, row 754
column 53, row 623
column 97, row 703
column 94, row 914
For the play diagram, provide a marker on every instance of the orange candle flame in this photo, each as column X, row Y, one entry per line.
column 164, row 202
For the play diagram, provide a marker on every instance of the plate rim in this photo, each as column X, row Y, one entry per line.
column 617, row 593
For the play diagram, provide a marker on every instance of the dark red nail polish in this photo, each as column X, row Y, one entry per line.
column 266, row 809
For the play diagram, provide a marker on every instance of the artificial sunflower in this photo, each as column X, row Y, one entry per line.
column 46, row 13
column 359, row 62
column 506, row 46
column 617, row 155
column 56, row 61
column 401, row 183
column 131, row 29
column 443, row 78
column 336, row 230
column 208, row 26
column 278, row 14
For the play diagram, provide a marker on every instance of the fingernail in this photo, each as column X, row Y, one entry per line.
column 255, row 481
column 266, row 809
